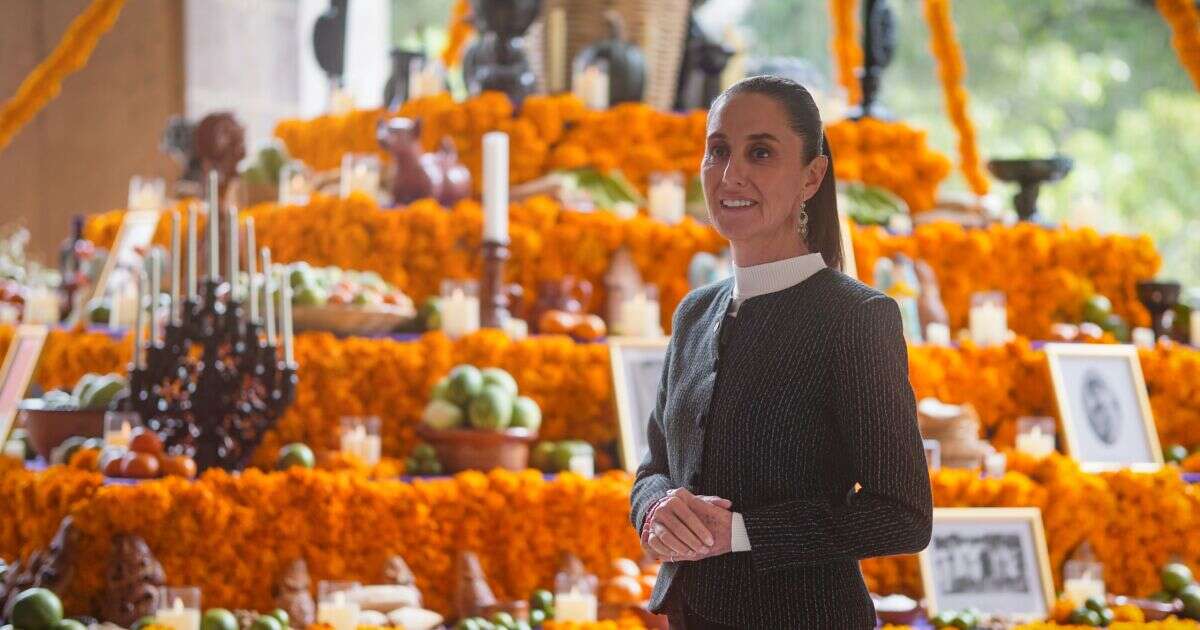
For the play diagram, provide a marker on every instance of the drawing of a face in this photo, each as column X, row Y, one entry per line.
column 1102, row 407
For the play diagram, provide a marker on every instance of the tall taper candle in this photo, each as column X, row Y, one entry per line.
column 495, row 187
column 155, row 290
column 268, row 284
column 285, row 317
column 176, row 275
column 193, row 217
column 214, row 232
column 138, row 361
column 251, row 268
column 233, row 254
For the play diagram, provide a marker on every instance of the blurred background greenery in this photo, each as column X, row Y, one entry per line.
column 1093, row 79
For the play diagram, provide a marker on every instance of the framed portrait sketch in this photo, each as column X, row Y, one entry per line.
column 19, row 363
column 992, row 559
column 1105, row 411
column 637, row 365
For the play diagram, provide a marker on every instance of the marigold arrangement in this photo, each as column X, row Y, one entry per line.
column 459, row 31
column 69, row 56
column 1184, row 20
column 891, row 155
column 847, row 51
column 952, row 71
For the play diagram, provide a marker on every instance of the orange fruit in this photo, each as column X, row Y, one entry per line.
column 137, row 465
column 179, row 466
column 589, row 328
column 110, row 461
column 555, row 322
column 622, row 590
column 144, row 440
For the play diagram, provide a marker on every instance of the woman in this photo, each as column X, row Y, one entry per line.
column 784, row 445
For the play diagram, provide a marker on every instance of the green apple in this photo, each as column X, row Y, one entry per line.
column 491, row 409
column 501, row 377
column 465, row 383
column 526, row 413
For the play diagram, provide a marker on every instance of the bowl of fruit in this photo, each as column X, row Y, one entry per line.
column 58, row 415
column 347, row 302
column 477, row 421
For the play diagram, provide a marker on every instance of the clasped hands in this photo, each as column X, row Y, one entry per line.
column 684, row 526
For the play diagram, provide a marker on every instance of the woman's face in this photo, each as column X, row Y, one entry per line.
column 754, row 173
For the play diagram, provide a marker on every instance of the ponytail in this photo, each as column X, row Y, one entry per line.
column 824, row 226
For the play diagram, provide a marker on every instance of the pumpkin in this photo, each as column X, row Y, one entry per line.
column 626, row 64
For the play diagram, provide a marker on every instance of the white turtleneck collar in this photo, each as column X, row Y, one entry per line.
column 774, row 276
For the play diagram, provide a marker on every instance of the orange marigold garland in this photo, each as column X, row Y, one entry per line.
column 1184, row 19
column 457, row 34
column 951, row 71
column 847, row 51
column 71, row 54
column 891, row 155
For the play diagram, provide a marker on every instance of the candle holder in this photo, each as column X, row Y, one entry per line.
column 1029, row 175
column 1083, row 579
column 178, row 607
column 337, row 604
column 211, row 386
column 1035, row 436
column 667, row 199
column 360, row 438
column 988, row 318
column 494, row 300
column 460, row 309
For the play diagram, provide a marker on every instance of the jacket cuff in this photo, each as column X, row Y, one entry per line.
column 740, row 540
column 787, row 535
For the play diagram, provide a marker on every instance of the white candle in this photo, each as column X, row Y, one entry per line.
column 155, row 290
column 233, row 253
column 460, row 314
column 41, row 307
column 177, row 617
column 285, row 317
column 268, row 290
column 556, row 40
column 1079, row 589
column 988, row 324
column 193, row 215
column 495, row 187
column 667, row 202
column 176, row 276
column 574, row 606
column 138, row 361
column 214, row 233
column 1195, row 327
column 937, row 334
column 339, row 612
column 251, row 269
column 1143, row 337
column 1035, row 443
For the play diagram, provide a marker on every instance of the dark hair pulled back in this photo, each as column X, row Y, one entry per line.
column 824, row 231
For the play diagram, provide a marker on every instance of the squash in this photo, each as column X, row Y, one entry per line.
column 626, row 63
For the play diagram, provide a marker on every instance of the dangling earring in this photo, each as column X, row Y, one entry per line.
column 802, row 222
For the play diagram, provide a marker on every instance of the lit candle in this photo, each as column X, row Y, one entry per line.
column 285, row 317
column 338, row 612
column 177, row 617
column 176, row 276
column 214, row 234
column 1143, row 337
column 574, row 606
column 233, row 253
column 268, row 290
column 155, row 290
column 193, row 216
column 937, row 334
column 1079, row 589
column 460, row 314
column 667, row 201
column 495, row 187
column 1035, row 443
column 251, row 269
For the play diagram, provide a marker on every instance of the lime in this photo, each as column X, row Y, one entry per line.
column 467, row 624
column 430, row 313
column 1106, row 617
column 541, row 599
column 542, row 457
column 412, row 466
column 1190, row 596
column 943, row 619
column 1176, row 576
column 491, row 409
column 439, row 389
column 282, row 616
column 1095, row 603
column 1096, row 309
column 526, row 413
column 501, row 377
column 1079, row 616
column 218, row 619
column 537, row 617
column 295, row 454
column 442, row 414
column 965, row 620
column 142, row 623
column 503, row 620
column 36, row 609
column 466, row 382
column 266, row 622
column 1175, row 454
column 424, row 452
column 68, row 624
column 522, row 625
column 433, row 467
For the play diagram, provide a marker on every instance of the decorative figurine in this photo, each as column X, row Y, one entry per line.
column 473, row 595
column 329, row 40
column 416, row 174
column 292, row 593
column 497, row 60
column 704, row 60
column 220, row 143
column 626, row 63
column 51, row 568
column 132, row 581
column 879, row 46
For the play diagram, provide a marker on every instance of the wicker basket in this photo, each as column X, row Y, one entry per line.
column 469, row 449
column 658, row 27
column 348, row 320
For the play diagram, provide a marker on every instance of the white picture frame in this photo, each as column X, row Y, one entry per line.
column 20, row 362
column 849, row 264
column 136, row 232
column 1107, row 423
column 991, row 559
column 637, row 365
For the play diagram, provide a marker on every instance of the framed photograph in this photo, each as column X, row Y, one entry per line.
column 19, row 363
column 637, row 365
column 992, row 559
column 1106, row 419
